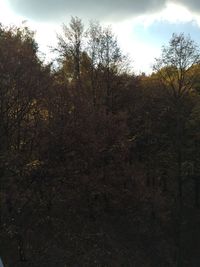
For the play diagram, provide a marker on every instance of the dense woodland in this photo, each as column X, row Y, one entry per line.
column 98, row 166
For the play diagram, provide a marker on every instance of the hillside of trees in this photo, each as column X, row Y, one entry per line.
column 99, row 167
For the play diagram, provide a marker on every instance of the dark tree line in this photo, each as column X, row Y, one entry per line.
column 98, row 166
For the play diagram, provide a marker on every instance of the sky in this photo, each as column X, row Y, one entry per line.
column 141, row 26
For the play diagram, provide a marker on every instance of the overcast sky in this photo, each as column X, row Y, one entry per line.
column 142, row 26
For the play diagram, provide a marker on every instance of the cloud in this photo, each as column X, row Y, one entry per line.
column 192, row 5
column 58, row 9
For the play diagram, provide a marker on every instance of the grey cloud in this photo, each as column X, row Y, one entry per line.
column 193, row 5
column 101, row 9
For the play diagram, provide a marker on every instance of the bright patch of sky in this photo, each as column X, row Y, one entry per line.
column 140, row 35
column 143, row 37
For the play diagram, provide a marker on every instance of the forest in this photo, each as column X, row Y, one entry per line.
column 99, row 166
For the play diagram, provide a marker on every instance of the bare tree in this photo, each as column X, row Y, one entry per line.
column 177, row 69
column 176, row 65
column 70, row 45
column 94, row 34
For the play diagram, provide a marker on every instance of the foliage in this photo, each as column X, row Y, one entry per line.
column 98, row 166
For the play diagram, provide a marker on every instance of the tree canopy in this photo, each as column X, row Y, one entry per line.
column 98, row 166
